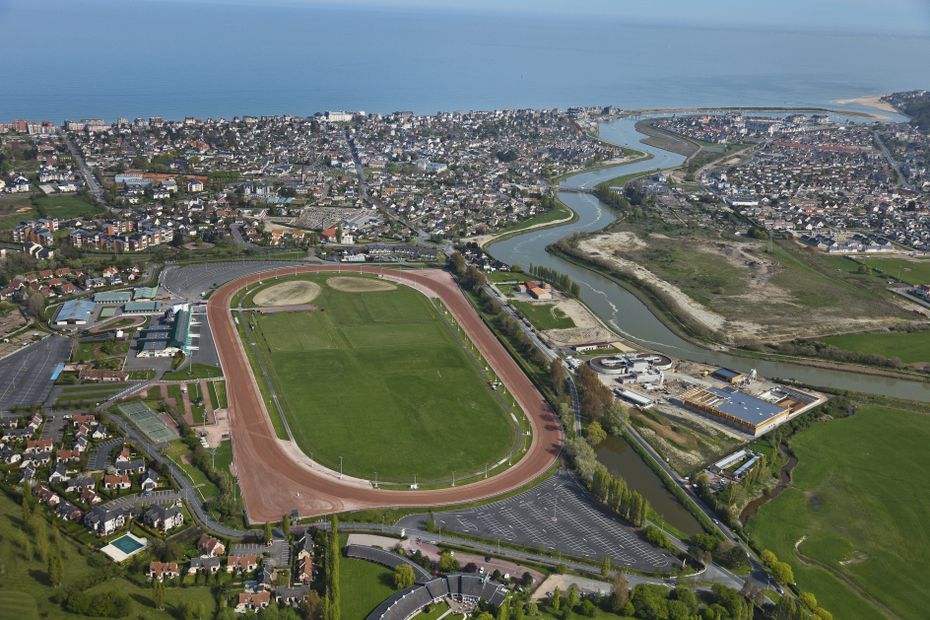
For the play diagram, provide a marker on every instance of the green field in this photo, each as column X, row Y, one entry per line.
column 379, row 379
column 65, row 207
column 913, row 272
column 910, row 348
column 364, row 586
column 194, row 371
column 25, row 591
column 861, row 497
column 543, row 316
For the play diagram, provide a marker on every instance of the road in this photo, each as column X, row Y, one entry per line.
column 760, row 576
column 892, row 161
column 93, row 185
column 312, row 490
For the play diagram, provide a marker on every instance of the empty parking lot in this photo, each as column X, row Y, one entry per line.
column 26, row 376
column 556, row 516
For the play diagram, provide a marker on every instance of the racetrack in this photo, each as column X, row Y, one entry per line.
column 276, row 478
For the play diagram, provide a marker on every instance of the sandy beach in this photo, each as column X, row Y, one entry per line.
column 872, row 102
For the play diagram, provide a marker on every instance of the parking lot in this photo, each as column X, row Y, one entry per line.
column 557, row 516
column 190, row 282
column 25, row 376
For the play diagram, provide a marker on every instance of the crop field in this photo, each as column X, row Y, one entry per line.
column 378, row 379
column 910, row 348
column 544, row 316
column 855, row 515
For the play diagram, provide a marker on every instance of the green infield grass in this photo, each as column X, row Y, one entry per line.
column 379, row 379
column 544, row 316
column 855, row 515
column 910, row 348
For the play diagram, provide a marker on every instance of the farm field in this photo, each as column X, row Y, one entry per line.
column 378, row 379
column 910, row 348
column 857, row 510
column 544, row 316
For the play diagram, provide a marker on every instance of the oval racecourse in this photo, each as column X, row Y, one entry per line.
column 276, row 477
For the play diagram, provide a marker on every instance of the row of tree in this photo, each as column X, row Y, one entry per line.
column 612, row 491
column 560, row 280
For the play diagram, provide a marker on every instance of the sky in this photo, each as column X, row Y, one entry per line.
column 906, row 17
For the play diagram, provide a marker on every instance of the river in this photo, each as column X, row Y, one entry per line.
column 632, row 318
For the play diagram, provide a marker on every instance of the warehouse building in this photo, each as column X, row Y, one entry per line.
column 747, row 413
column 74, row 312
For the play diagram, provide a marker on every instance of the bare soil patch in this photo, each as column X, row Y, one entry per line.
column 287, row 294
column 359, row 285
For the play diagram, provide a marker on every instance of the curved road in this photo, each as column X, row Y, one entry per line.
column 276, row 478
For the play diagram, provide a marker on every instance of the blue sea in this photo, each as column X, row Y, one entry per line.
column 108, row 58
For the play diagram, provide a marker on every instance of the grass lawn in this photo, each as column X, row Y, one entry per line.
column 434, row 612
column 544, row 316
column 505, row 276
column 25, row 593
column 364, row 586
column 65, row 207
column 379, row 379
column 218, row 394
column 557, row 213
column 196, row 371
column 861, row 497
column 599, row 614
column 178, row 452
column 910, row 348
column 914, row 272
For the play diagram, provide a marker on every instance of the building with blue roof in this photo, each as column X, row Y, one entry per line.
column 739, row 409
column 74, row 312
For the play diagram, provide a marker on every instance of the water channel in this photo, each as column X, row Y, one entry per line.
column 632, row 319
column 629, row 316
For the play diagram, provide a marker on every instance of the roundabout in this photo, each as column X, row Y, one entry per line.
column 276, row 477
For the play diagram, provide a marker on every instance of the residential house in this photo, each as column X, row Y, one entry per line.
column 163, row 518
column 241, row 563
column 105, row 521
column 163, row 570
column 210, row 565
column 253, row 601
column 116, row 481
column 210, row 546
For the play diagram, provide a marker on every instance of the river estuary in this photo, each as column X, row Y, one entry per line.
column 632, row 318
column 635, row 321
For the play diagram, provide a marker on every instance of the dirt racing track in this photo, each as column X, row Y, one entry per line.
column 276, row 477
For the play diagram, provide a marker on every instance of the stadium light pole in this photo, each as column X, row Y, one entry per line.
column 340, row 468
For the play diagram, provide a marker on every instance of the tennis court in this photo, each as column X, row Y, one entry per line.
column 147, row 421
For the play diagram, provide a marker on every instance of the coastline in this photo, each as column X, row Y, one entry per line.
column 874, row 102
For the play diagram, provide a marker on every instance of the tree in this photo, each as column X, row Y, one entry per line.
column 56, row 567
column 310, row 607
column 268, row 533
column 403, row 576
column 286, row 525
column 595, row 433
column 573, row 596
column 556, row 601
column 447, row 563
column 158, row 593
column 619, row 593
column 503, row 612
column 457, row 263
column 587, row 608
column 808, row 600
column 532, row 609
column 605, row 567
column 557, row 375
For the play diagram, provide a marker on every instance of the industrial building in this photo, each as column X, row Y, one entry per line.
column 74, row 312
column 751, row 414
column 639, row 368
